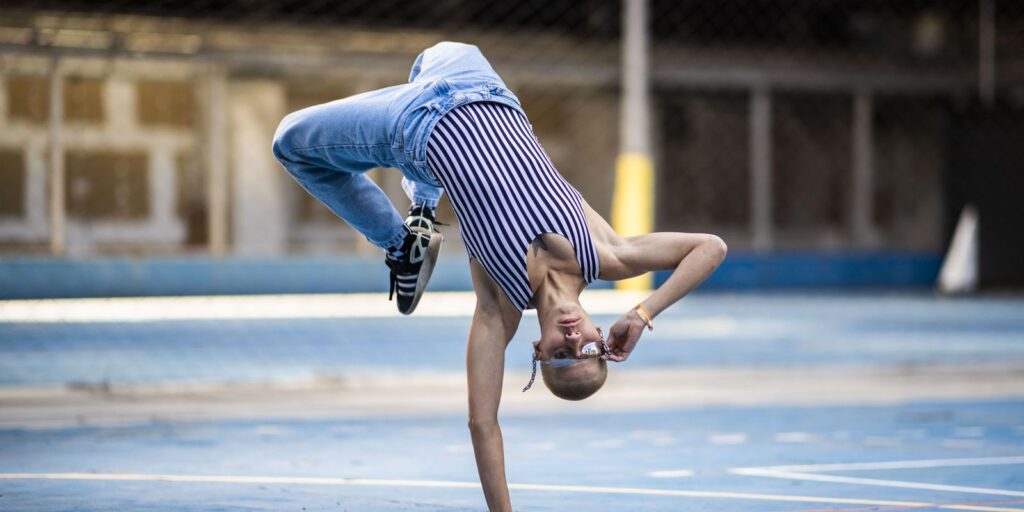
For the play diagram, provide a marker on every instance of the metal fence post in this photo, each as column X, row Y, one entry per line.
column 761, row 168
column 863, row 155
column 986, row 51
column 216, row 161
column 58, row 208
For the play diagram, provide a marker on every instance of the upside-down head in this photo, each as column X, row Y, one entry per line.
column 569, row 353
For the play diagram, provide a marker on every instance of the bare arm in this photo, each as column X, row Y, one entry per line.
column 692, row 257
column 494, row 323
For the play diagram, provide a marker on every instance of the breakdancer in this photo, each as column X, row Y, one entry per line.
column 532, row 239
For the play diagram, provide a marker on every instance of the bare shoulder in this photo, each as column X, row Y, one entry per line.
column 600, row 231
column 609, row 244
column 626, row 257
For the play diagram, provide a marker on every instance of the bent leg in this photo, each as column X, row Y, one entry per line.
column 356, row 199
column 328, row 149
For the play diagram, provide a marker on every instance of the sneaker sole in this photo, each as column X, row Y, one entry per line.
column 433, row 249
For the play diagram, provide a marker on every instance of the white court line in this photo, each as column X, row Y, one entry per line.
column 444, row 484
column 817, row 477
column 241, row 307
column 728, row 439
column 796, row 437
column 902, row 464
column 671, row 473
column 812, row 472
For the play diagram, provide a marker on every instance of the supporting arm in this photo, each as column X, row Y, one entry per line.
column 494, row 323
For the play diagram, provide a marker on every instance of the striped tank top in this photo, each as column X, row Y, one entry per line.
column 506, row 192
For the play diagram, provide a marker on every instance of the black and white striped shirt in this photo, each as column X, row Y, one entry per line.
column 506, row 192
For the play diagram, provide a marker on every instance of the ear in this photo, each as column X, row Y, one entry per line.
column 536, row 349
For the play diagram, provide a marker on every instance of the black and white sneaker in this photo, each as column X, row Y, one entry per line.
column 411, row 267
column 421, row 220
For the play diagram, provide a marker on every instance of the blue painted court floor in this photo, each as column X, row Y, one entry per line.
column 703, row 331
column 957, row 456
column 734, row 403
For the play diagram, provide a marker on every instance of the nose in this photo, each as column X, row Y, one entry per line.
column 572, row 335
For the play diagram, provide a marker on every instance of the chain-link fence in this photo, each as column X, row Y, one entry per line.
column 144, row 128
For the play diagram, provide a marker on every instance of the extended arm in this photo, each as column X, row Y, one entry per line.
column 692, row 257
column 494, row 323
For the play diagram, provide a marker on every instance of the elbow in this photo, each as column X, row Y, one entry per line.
column 717, row 248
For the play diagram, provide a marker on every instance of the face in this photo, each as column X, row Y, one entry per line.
column 564, row 331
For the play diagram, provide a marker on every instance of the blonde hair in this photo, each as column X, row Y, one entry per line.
column 570, row 383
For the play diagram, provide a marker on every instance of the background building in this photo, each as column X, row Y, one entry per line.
column 834, row 130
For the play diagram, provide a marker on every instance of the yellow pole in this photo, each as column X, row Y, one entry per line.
column 633, row 200
column 633, row 206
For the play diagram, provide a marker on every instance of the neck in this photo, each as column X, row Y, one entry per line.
column 556, row 293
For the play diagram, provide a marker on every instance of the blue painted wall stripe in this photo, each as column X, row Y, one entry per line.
column 824, row 270
column 52, row 278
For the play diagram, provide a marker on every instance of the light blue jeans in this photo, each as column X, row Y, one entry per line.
column 328, row 148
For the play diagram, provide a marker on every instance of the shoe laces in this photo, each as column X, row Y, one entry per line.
column 420, row 213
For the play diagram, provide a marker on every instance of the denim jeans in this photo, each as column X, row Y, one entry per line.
column 328, row 148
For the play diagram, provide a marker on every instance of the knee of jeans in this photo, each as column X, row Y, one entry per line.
column 285, row 137
column 282, row 148
column 280, row 144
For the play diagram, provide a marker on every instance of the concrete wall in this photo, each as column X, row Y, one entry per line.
column 136, row 141
column 259, row 217
column 120, row 151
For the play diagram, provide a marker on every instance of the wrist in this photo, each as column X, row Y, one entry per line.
column 651, row 309
column 644, row 315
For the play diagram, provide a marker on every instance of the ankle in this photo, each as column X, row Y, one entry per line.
column 395, row 252
column 421, row 209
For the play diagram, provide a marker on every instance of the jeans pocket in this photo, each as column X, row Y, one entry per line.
column 404, row 106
